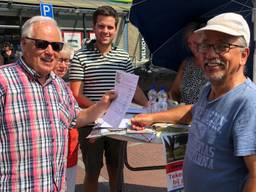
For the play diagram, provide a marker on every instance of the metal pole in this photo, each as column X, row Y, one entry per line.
column 126, row 41
column 254, row 38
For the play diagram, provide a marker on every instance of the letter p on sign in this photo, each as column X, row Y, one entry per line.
column 46, row 10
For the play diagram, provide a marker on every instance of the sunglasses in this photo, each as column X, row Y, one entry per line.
column 42, row 44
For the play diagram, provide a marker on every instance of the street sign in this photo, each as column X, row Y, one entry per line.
column 46, row 10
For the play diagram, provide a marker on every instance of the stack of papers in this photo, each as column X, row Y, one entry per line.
column 125, row 123
column 140, row 131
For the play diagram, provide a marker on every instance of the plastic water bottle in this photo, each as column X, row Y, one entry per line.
column 152, row 98
column 162, row 100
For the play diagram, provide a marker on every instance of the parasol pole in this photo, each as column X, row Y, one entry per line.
column 254, row 39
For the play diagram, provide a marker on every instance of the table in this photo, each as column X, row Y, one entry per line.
column 174, row 137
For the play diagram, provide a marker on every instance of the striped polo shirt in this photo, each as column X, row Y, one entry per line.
column 98, row 71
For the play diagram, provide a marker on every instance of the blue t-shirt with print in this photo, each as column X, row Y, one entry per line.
column 222, row 132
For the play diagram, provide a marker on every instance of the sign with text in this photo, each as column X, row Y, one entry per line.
column 174, row 176
column 175, row 146
column 144, row 51
column 46, row 10
column 73, row 38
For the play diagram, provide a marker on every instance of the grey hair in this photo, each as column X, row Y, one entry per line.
column 243, row 41
column 67, row 49
column 27, row 28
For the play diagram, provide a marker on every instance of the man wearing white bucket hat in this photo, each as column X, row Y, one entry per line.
column 221, row 147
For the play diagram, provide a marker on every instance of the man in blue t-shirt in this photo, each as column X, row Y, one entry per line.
column 221, row 148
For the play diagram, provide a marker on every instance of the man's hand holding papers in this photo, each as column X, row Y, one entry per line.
column 125, row 87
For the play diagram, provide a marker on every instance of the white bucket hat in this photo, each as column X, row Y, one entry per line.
column 229, row 23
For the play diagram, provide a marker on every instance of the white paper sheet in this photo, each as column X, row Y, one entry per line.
column 124, row 124
column 125, row 86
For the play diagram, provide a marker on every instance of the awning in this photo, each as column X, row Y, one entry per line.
column 78, row 4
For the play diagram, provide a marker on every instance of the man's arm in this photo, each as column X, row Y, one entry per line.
column 90, row 114
column 140, row 98
column 77, row 90
column 177, row 115
column 250, row 162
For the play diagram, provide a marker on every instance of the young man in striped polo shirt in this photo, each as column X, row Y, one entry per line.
column 92, row 73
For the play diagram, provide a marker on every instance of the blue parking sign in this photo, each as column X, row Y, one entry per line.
column 46, row 10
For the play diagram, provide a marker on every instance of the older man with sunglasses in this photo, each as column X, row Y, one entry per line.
column 36, row 111
column 221, row 147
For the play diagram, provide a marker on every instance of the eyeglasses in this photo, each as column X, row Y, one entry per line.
column 218, row 48
column 64, row 60
column 42, row 44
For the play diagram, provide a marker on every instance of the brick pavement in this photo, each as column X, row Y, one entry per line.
column 139, row 154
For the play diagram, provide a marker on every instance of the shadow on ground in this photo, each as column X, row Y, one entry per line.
column 103, row 187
